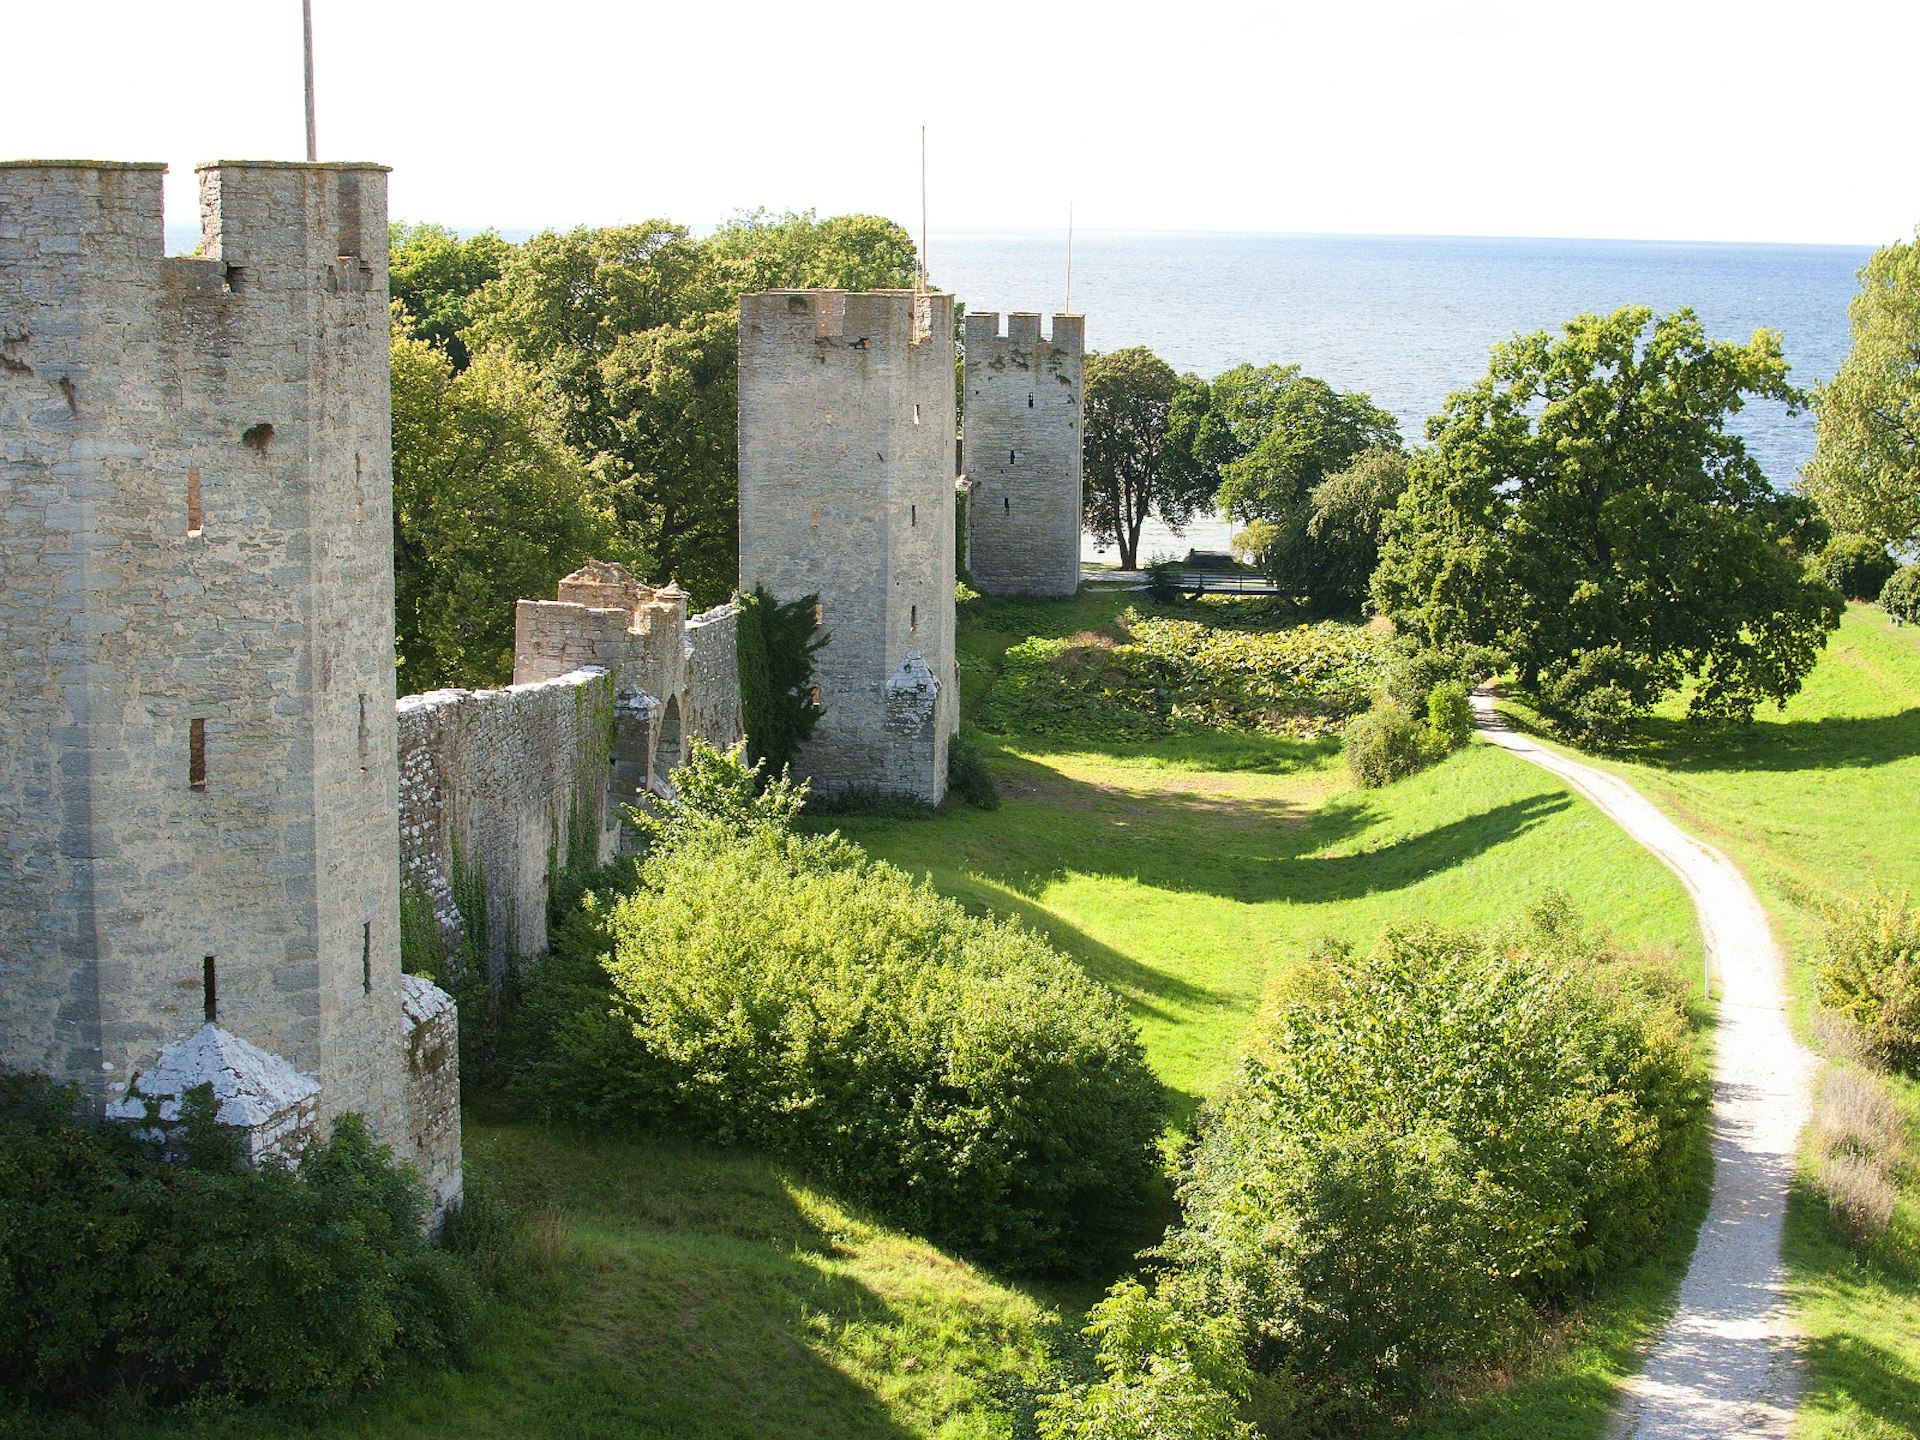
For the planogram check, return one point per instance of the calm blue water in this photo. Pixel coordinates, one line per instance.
(1406, 319)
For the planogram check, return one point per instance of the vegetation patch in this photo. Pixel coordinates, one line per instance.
(1164, 676)
(1419, 1147)
(126, 1273)
(789, 993)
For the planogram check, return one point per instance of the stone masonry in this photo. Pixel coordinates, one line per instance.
(846, 490)
(1023, 454)
(611, 679)
(197, 773)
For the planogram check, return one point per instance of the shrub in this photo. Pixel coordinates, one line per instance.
(1449, 717)
(122, 1270)
(1595, 699)
(1900, 596)
(1384, 745)
(776, 644)
(788, 993)
(1869, 971)
(1855, 566)
(1857, 1141)
(1163, 582)
(1168, 676)
(1165, 1375)
(1420, 1143)
(968, 776)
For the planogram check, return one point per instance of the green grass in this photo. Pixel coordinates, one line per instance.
(1814, 803)
(689, 1293)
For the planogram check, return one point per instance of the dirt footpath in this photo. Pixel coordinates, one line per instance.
(1726, 1364)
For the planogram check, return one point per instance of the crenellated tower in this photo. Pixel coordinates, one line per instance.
(197, 774)
(1023, 453)
(846, 489)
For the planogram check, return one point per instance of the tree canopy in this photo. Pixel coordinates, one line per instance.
(1865, 472)
(1584, 512)
(1133, 467)
(489, 506)
(434, 274)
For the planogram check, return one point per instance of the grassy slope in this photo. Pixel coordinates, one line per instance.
(687, 1293)
(1817, 802)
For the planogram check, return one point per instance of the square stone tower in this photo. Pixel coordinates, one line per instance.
(197, 773)
(846, 490)
(1023, 454)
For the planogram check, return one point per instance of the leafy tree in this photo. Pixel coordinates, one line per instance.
(1346, 514)
(489, 505)
(1865, 472)
(1278, 434)
(1856, 566)
(1133, 469)
(435, 274)
(800, 252)
(634, 328)
(777, 643)
(1584, 513)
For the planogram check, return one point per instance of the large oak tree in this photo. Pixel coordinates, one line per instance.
(1584, 511)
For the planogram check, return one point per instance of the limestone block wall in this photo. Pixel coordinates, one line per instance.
(713, 677)
(433, 1087)
(846, 489)
(1023, 454)
(197, 773)
(502, 777)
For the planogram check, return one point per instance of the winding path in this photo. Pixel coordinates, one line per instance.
(1726, 1364)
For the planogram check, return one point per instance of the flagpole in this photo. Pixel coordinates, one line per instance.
(306, 32)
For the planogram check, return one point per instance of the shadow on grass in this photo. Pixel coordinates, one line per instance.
(1829, 743)
(1247, 850)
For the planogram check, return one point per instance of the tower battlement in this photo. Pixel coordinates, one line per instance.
(846, 489)
(1023, 453)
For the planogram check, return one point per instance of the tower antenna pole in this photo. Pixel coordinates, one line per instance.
(1069, 309)
(306, 32)
(923, 207)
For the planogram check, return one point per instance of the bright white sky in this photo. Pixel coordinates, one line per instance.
(1671, 119)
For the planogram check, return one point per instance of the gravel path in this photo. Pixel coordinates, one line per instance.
(1726, 1363)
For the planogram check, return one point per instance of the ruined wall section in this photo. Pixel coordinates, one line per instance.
(503, 780)
(1023, 454)
(197, 775)
(713, 677)
(846, 489)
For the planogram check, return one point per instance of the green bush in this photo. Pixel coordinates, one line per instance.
(1595, 699)
(1168, 676)
(1855, 566)
(968, 776)
(1449, 718)
(1869, 971)
(123, 1271)
(1420, 1143)
(1384, 745)
(788, 993)
(1165, 1375)
(775, 644)
(1900, 596)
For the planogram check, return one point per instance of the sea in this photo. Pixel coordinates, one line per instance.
(1406, 320)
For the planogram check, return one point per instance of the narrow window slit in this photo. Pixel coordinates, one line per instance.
(193, 503)
(819, 615)
(916, 414)
(209, 991)
(913, 617)
(1006, 504)
(366, 957)
(363, 732)
(196, 754)
(913, 514)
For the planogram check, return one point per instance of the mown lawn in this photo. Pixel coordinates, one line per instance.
(1815, 803)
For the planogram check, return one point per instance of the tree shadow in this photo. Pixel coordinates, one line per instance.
(1828, 743)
